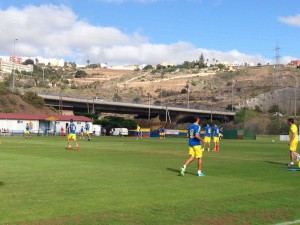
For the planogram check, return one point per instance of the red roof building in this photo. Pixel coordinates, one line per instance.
(15, 123)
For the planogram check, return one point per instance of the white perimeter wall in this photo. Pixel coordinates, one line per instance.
(41, 126)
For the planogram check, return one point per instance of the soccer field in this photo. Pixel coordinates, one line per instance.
(114, 180)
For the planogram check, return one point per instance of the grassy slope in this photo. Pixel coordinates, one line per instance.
(114, 180)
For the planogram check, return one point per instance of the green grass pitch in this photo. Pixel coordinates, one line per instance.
(115, 180)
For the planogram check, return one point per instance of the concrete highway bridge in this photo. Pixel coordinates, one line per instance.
(165, 113)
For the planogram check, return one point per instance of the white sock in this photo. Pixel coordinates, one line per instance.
(184, 166)
(199, 171)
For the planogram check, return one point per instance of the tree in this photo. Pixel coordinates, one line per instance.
(183, 91)
(157, 102)
(136, 100)
(274, 108)
(28, 62)
(93, 66)
(116, 122)
(88, 62)
(117, 97)
(257, 109)
(230, 107)
(221, 66)
(201, 63)
(33, 99)
(244, 115)
(160, 67)
(148, 67)
(3, 89)
(277, 126)
(80, 74)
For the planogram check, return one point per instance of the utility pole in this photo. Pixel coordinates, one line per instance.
(160, 96)
(231, 95)
(296, 86)
(13, 58)
(60, 103)
(149, 105)
(188, 94)
(43, 76)
(276, 73)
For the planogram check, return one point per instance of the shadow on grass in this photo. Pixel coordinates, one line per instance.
(279, 163)
(1, 183)
(177, 171)
(292, 169)
(286, 168)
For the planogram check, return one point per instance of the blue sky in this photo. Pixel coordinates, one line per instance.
(151, 31)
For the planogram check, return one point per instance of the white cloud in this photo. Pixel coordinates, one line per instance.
(152, 1)
(291, 20)
(53, 31)
(123, 1)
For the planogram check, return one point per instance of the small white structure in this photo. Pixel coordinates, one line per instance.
(97, 130)
(119, 132)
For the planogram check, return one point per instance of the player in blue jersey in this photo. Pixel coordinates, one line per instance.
(87, 131)
(72, 135)
(216, 133)
(81, 132)
(207, 136)
(27, 131)
(162, 133)
(195, 149)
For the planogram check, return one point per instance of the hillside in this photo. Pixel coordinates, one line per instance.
(207, 88)
(12, 103)
(251, 87)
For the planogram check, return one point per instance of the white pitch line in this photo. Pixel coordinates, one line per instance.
(288, 222)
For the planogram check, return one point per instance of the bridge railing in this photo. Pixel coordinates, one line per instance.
(87, 98)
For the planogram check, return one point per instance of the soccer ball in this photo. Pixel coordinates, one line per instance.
(273, 141)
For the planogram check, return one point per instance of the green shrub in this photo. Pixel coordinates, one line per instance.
(7, 110)
(3, 89)
(244, 115)
(80, 74)
(33, 99)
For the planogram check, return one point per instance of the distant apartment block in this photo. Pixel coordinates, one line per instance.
(295, 63)
(15, 59)
(50, 61)
(123, 67)
(242, 64)
(8, 67)
(46, 61)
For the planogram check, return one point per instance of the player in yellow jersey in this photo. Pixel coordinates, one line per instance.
(293, 142)
(72, 135)
(138, 132)
(27, 131)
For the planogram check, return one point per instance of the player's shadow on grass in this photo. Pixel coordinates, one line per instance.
(279, 163)
(1, 183)
(177, 171)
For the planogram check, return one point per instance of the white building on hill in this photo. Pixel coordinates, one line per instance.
(8, 67)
